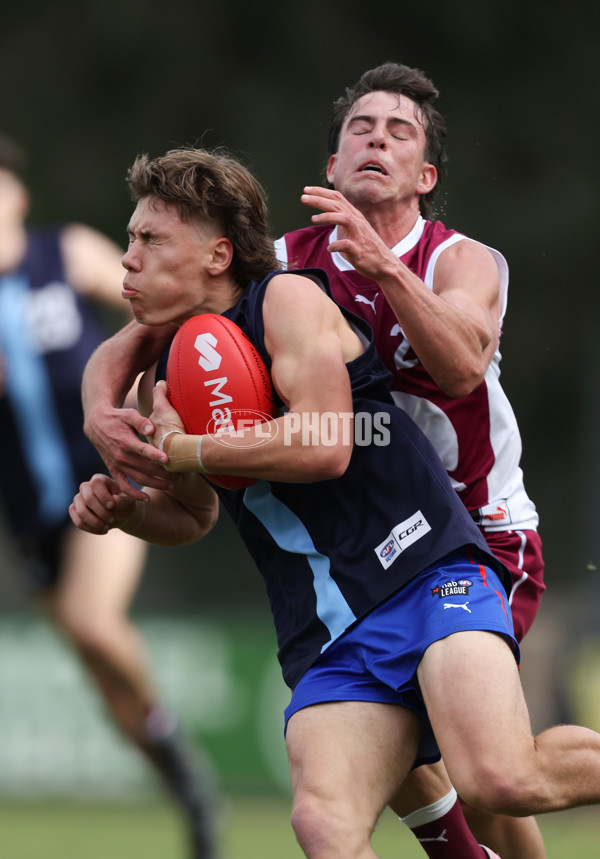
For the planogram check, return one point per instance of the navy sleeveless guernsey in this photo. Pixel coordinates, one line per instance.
(331, 551)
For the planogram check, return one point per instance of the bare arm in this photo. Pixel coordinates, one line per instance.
(172, 518)
(107, 378)
(309, 342)
(454, 328)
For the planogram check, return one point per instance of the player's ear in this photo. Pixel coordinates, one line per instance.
(221, 256)
(428, 178)
(331, 168)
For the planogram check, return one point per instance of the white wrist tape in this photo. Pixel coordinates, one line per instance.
(199, 455)
(161, 443)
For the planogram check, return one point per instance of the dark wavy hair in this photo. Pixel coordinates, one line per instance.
(402, 80)
(215, 188)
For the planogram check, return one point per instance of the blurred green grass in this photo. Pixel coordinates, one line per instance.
(253, 828)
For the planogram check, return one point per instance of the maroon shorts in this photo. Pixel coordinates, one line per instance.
(521, 552)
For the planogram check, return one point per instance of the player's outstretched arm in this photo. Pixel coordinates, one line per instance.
(115, 431)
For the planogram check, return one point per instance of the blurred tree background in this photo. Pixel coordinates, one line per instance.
(85, 85)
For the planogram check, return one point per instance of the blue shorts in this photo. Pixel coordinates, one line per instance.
(378, 657)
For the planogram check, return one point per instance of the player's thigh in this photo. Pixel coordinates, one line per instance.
(99, 574)
(357, 752)
(472, 690)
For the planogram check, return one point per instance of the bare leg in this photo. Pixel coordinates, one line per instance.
(510, 837)
(475, 702)
(346, 759)
(422, 786)
(463, 829)
(428, 804)
(90, 605)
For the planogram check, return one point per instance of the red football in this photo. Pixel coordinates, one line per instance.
(217, 382)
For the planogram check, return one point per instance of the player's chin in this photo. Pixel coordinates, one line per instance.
(145, 317)
(136, 309)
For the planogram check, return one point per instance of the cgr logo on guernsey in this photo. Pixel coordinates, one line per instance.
(401, 537)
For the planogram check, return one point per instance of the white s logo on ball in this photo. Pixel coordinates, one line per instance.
(209, 358)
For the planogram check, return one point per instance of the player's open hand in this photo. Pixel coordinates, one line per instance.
(357, 241)
(100, 505)
(116, 435)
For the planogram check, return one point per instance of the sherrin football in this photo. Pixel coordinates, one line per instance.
(217, 382)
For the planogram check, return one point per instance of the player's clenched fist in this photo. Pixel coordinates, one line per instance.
(100, 505)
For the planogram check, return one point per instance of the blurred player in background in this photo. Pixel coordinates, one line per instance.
(49, 281)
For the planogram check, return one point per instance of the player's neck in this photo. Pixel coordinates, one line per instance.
(222, 294)
(392, 223)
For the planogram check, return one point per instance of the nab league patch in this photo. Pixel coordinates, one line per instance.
(452, 589)
(400, 537)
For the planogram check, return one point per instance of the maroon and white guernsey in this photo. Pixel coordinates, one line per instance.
(476, 437)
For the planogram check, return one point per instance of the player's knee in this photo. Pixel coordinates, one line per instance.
(91, 635)
(308, 823)
(308, 818)
(321, 827)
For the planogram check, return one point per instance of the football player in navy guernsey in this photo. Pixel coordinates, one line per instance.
(391, 614)
(436, 302)
(52, 281)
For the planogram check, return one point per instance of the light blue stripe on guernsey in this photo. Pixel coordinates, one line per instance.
(28, 386)
(292, 536)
